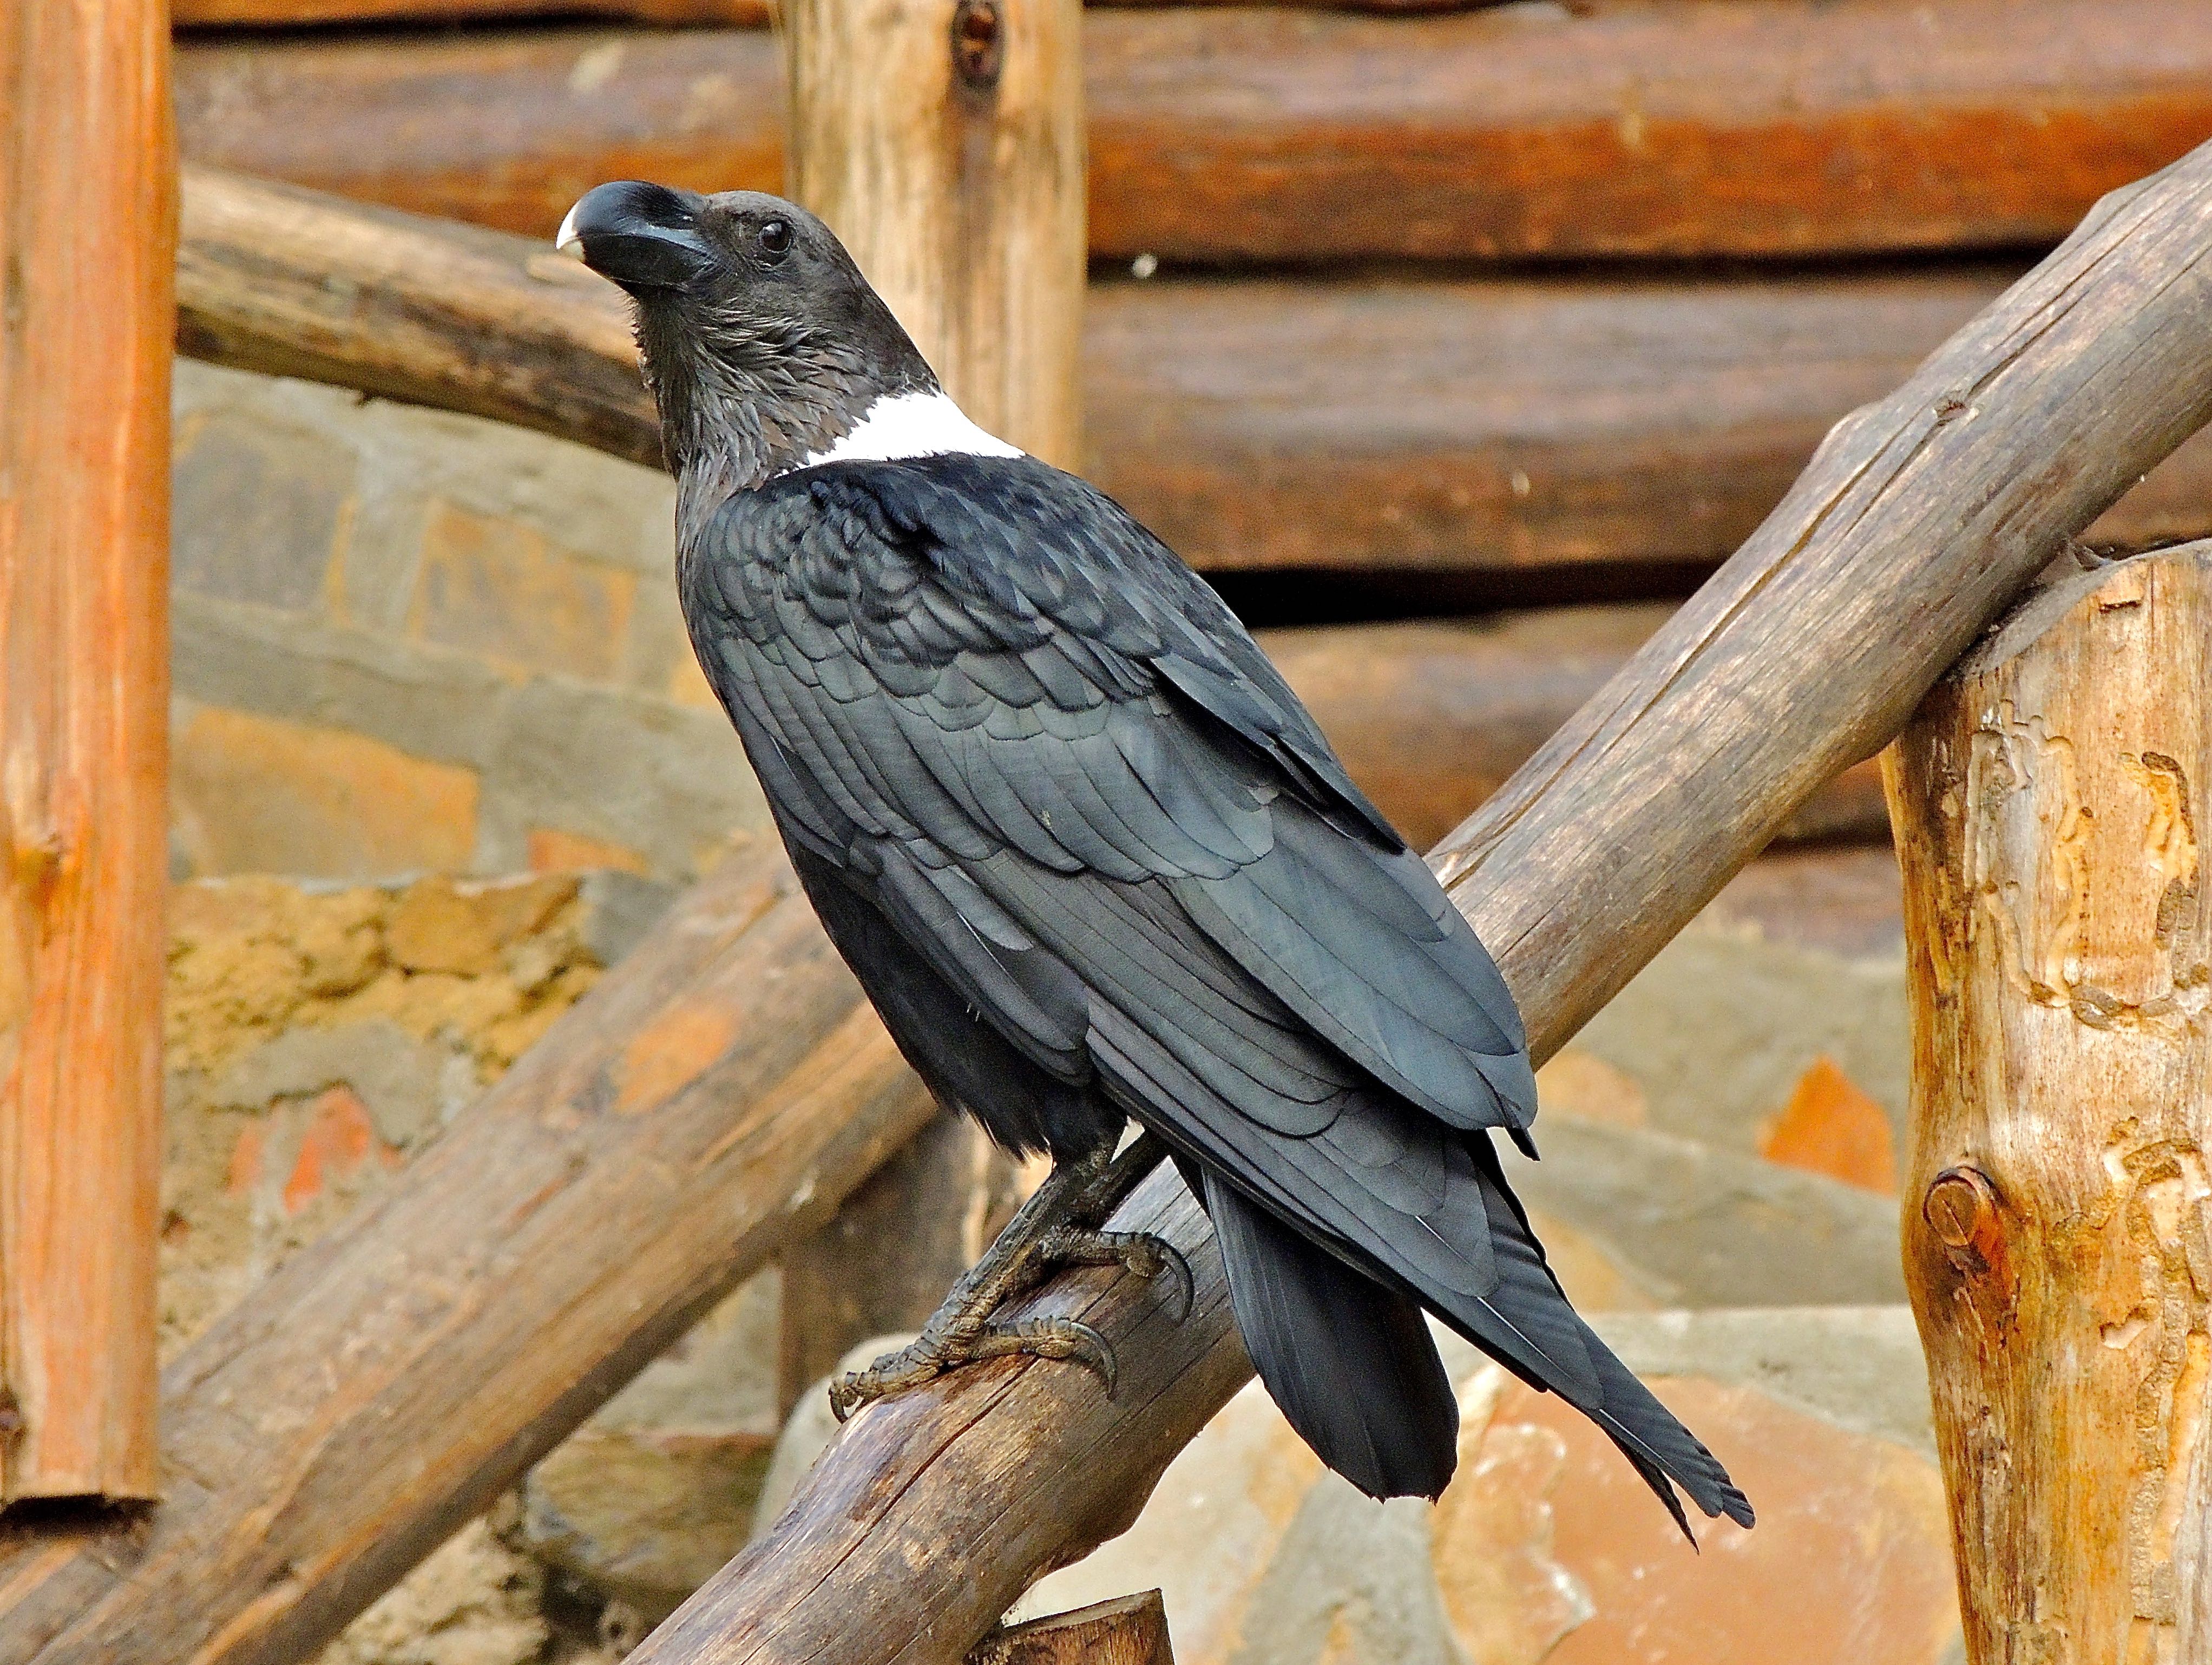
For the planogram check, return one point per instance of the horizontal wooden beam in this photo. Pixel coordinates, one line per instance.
(1920, 520)
(313, 14)
(1493, 440)
(1623, 128)
(710, 1101)
(733, 13)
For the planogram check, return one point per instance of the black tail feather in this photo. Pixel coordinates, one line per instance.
(1350, 1361)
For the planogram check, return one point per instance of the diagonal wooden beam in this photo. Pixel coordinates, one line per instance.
(1920, 520)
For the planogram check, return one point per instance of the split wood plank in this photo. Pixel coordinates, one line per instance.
(1456, 445)
(1920, 520)
(712, 1101)
(1129, 1630)
(2049, 799)
(1695, 127)
(87, 250)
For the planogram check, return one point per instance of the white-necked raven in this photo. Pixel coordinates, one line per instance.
(1092, 861)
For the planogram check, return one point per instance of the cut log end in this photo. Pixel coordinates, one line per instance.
(1129, 1630)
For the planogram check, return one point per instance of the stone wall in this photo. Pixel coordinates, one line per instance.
(410, 642)
(319, 1037)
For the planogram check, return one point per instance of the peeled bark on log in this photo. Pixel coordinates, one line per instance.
(1917, 523)
(710, 1102)
(1690, 127)
(2048, 797)
(88, 241)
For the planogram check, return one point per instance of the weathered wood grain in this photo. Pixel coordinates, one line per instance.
(943, 141)
(1487, 438)
(1130, 1630)
(711, 1102)
(1920, 520)
(1672, 127)
(88, 243)
(2049, 796)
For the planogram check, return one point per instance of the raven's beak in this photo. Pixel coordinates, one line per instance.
(642, 236)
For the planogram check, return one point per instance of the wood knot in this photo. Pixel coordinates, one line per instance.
(1961, 1204)
(11, 1416)
(978, 48)
(1962, 1208)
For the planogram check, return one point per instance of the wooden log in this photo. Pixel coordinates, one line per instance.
(2049, 796)
(1695, 127)
(292, 283)
(1494, 441)
(87, 250)
(312, 14)
(710, 1102)
(900, 1241)
(943, 141)
(1917, 522)
(1130, 1630)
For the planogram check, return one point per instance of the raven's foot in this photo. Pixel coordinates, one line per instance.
(1059, 1226)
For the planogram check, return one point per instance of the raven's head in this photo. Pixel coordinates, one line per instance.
(763, 342)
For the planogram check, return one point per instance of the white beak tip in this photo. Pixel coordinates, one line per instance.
(566, 238)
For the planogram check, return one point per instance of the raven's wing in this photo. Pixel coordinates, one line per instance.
(987, 701)
(961, 668)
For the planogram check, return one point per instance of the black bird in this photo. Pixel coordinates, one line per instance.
(1092, 861)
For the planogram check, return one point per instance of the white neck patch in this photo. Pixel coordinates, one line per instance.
(902, 425)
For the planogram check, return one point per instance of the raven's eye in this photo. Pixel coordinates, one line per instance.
(775, 239)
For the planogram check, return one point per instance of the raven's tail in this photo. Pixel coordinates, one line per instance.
(1350, 1361)
(1529, 1311)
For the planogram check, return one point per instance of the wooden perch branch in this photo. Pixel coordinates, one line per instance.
(1920, 520)
(288, 282)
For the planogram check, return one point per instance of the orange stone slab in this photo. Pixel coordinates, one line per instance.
(1850, 1564)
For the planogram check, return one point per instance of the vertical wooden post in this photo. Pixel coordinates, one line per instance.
(943, 141)
(88, 253)
(2049, 799)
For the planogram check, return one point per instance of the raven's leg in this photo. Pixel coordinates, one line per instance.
(1060, 1226)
